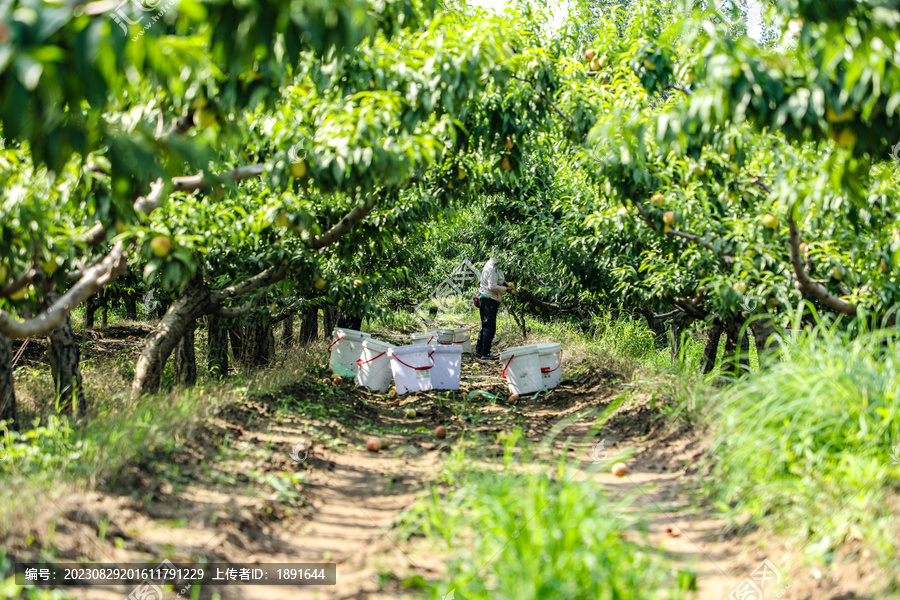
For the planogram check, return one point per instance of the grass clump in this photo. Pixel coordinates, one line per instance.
(809, 444)
(52, 455)
(511, 534)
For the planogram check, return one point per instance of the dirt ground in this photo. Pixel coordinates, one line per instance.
(287, 478)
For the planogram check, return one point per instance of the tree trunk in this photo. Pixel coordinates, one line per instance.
(711, 347)
(766, 346)
(104, 311)
(162, 307)
(744, 362)
(235, 334)
(287, 335)
(674, 339)
(309, 325)
(90, 307)
(731, 360)
(65, 367)
(130, 299)
(196, 301)
(330, 321)
(7, 383)
(218, 347)
(520, 320)
(192, 304)
(258, 340)
(657, 326)
(186, 359)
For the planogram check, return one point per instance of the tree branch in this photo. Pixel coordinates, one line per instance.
(235, 312)
(342, 227)
(689, 306)
(201, 181)
(546, 99)
(535, 300)
(95, 236)
(669, 314)
(262, 279)
(286, 312)
(807, 285)
(93, 280)
(757, 181)
(154, 199)
(680, 88)
(17, 284)
(723, 256)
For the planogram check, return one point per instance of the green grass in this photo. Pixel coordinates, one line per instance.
(805, 445)
(512, 534)
(51, 454)
(393, 321)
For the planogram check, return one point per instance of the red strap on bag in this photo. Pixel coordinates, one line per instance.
(334, 342)
(362, 362)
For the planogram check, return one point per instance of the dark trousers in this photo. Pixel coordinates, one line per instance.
(488, 309)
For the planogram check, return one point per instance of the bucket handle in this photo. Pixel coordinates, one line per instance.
(361, 362)
(335, 342)
(503, 374)
(425, 368)
(549, 370)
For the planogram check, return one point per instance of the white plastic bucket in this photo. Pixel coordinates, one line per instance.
(375, 366)
(551, 363)
(411, 366)
(463, 336)
(445, 336)
(346, 348)
(447, 366)
(522, 369)
(423, 338)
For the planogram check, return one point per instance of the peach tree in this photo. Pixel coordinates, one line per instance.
(297, 130)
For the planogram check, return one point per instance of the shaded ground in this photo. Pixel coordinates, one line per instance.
(286, 478)
(113, 340)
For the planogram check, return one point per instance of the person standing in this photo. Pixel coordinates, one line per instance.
(493, 285)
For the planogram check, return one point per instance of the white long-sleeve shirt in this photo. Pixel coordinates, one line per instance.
(492, 281)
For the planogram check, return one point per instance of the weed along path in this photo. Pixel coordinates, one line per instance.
(285, 477)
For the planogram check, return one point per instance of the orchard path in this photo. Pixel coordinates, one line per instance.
(233, 493)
